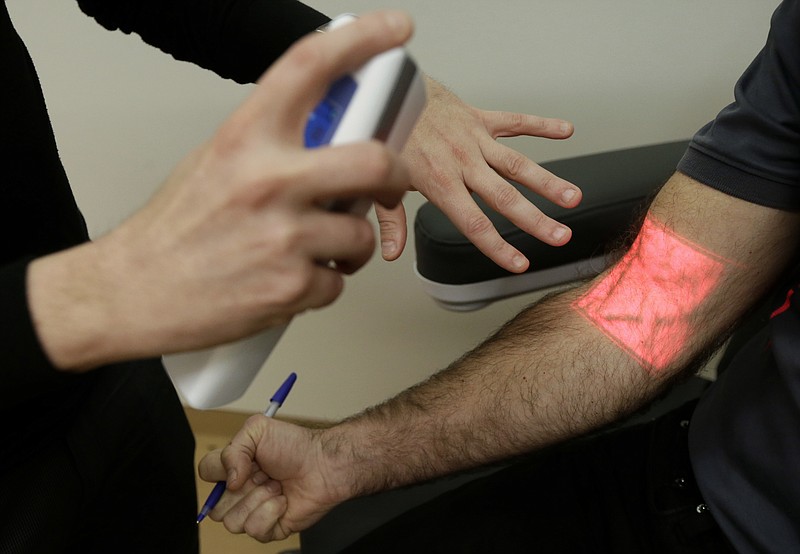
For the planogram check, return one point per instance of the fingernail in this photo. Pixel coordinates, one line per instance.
(566, 127)
(560, 233)
(274, 487)
(260, 478)
(395, 20)
(232, 475)
(518, 262)
(568, 195)
(389, 246)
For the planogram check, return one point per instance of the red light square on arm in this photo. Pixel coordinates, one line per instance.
(645, 303)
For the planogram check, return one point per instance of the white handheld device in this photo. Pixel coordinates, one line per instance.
(382, 100)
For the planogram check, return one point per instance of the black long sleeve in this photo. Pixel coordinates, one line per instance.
(38, 215)
(237, 39)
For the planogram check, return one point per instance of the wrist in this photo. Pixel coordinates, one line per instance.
(68, 298)
(351, 471)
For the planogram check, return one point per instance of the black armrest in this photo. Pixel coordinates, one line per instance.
(615, 186)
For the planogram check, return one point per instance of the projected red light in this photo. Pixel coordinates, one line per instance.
(645, 303)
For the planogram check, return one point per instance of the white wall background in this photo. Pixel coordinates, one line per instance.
(626, 72)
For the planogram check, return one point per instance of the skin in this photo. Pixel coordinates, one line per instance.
(453, 152)
(647, 303)
(548, 375)
(238, 222)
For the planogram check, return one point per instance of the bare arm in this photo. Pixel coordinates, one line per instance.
(568, 364)
(552, 373)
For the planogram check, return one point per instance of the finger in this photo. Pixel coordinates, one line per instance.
(478, 228)
(512, 165)
(263, 524)
(210, 467)
(297, 81)
(511, 124)
(323, 236)
(360, 170)
(239, 455)
(314, 239)
(306, 284)
(393, 229)
(230, 498)
(341, 243)
(505, 199)
(236, 516)
(452, 196)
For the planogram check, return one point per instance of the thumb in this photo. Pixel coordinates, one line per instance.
(394, 231)
(210, 467)
(239, 455)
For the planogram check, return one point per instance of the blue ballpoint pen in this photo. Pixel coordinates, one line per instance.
(274, 403)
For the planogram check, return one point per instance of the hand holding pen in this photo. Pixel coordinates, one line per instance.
(275, 402)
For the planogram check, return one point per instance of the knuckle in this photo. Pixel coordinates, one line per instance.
(361, 241)
(537, 219)
(517, 122)
(442, 177)
(498, 248)
(478, 224)
(296, 288)
(514, 164)
(254, 532)
(460, 155)
(505, 197)
(285, 291)
(256, 529)
(274, 181)
(255, 420)
(549, 183)
(228, 456)
(306, 56)
(389, 227)
(231, 526)
(332, 290)
(230, 137)
(275, 244)
(248, 191)
(543, 124)
(250, 185)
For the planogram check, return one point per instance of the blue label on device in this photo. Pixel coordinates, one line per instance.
(326, 116)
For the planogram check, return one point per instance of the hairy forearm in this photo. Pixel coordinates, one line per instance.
(545, 376)
(570, 363)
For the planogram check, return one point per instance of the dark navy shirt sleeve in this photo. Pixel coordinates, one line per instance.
(751, 149)
(744, 438)
(237, 39)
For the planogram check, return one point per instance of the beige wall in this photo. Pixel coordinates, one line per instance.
(627, 72)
